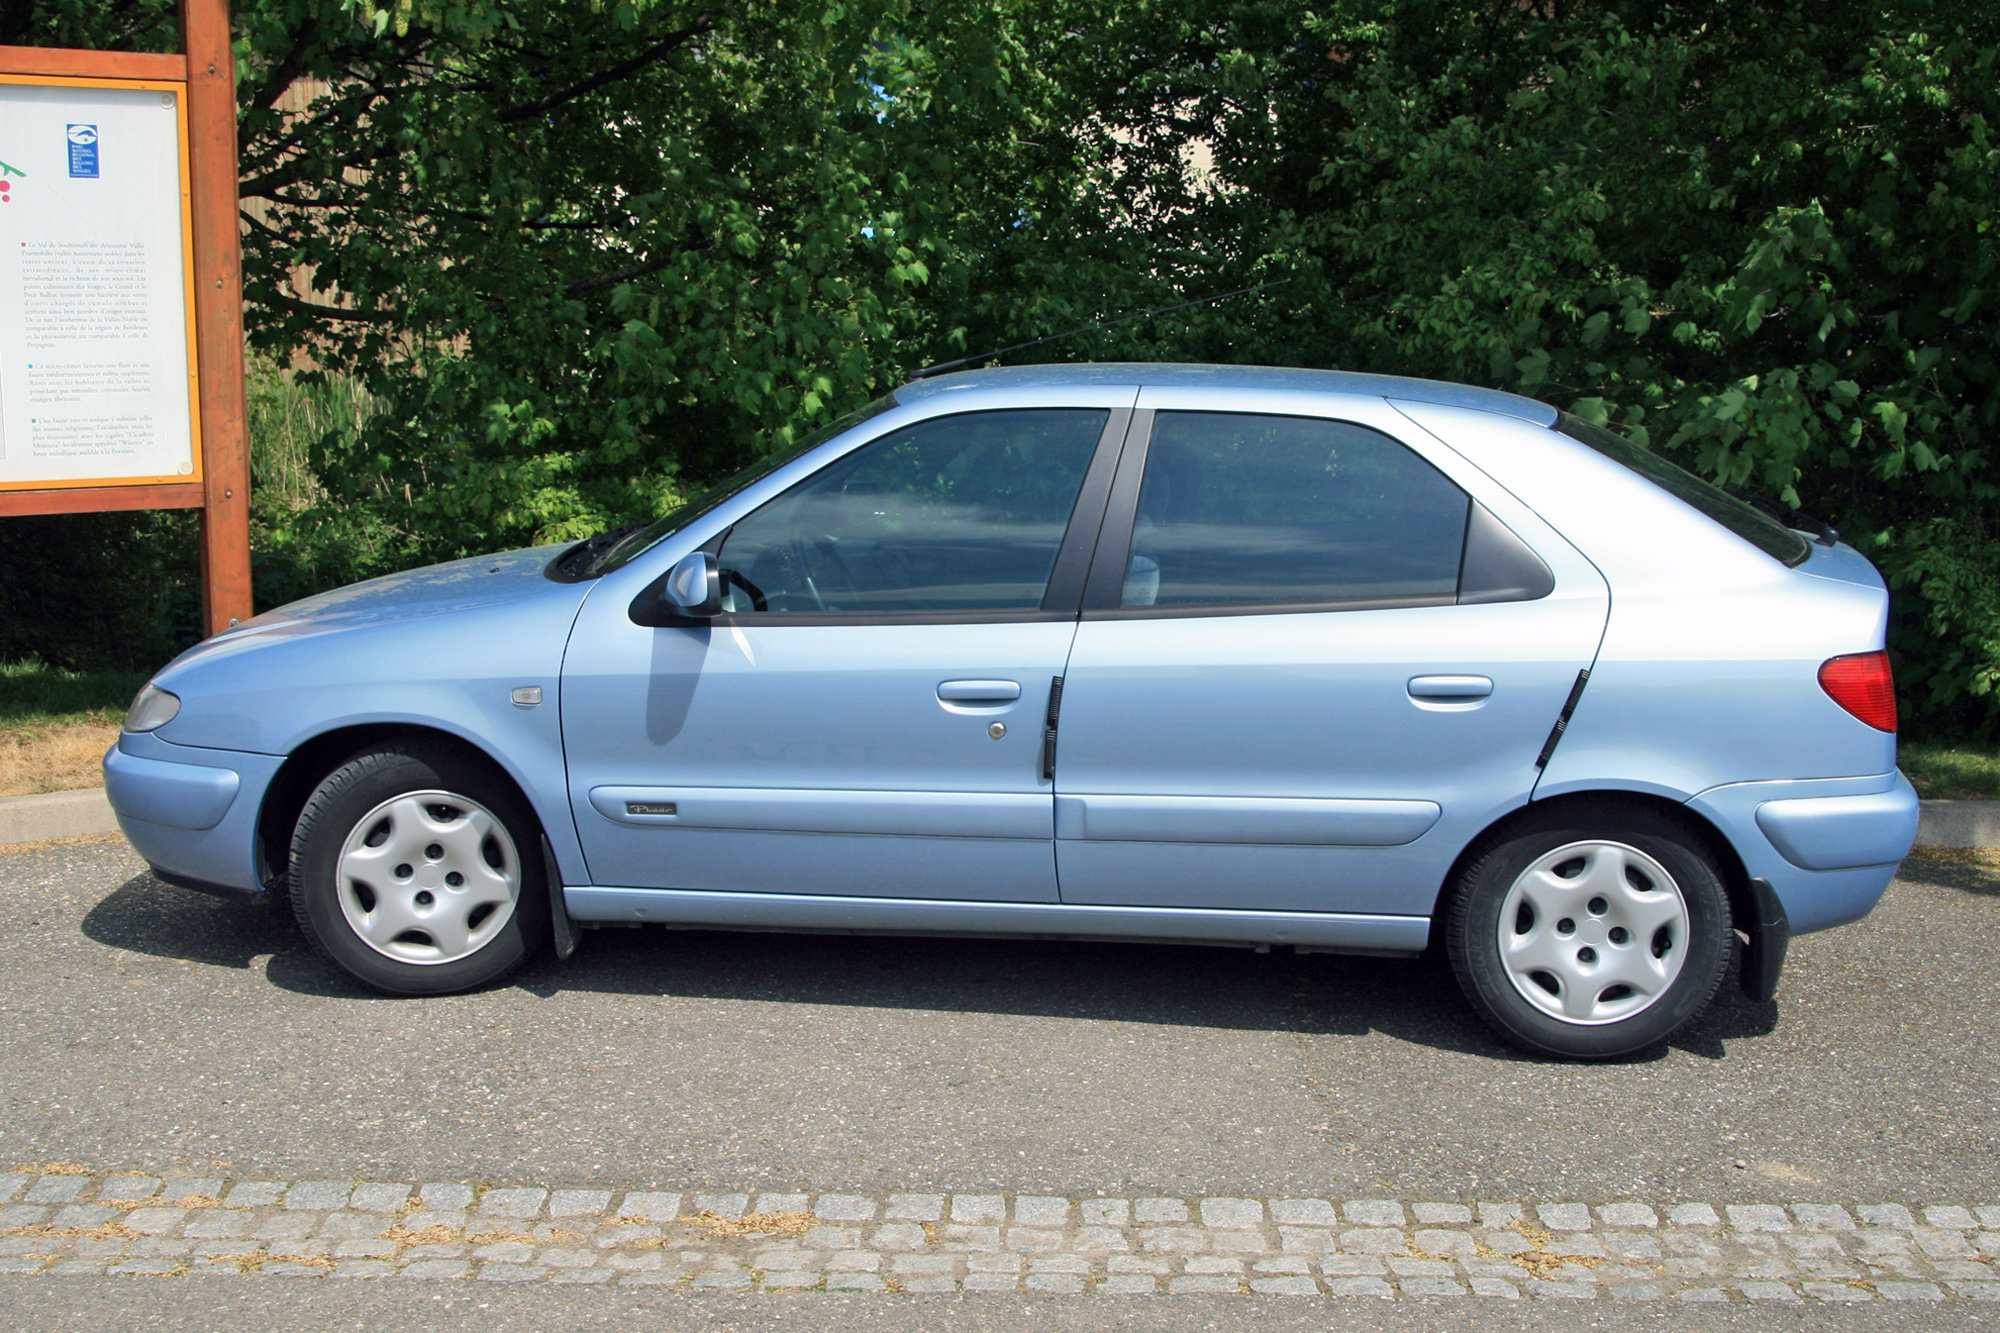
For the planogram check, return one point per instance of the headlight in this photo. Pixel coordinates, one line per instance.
(152, 709)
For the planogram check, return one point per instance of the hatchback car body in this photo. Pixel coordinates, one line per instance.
(1195, 653)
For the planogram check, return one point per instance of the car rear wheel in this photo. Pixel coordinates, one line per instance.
(1592, 932)
(416, 868)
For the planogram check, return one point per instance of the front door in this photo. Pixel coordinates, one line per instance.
(1286, 695)
(865, 717)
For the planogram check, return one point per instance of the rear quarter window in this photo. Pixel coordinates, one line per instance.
(1762, 531)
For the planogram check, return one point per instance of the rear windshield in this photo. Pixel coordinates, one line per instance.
(1762, 531)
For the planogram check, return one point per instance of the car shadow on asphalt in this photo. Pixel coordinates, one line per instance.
(1414, 1000)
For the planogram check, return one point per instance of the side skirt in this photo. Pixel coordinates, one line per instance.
(1318, 931)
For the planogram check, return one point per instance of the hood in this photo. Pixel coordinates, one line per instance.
(460, 585)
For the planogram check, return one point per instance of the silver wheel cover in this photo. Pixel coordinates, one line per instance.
(428, 877)
(1593, 932)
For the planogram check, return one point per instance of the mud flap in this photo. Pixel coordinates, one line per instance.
(1770, 936)
(565, 929)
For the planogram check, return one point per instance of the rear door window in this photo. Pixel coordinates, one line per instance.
(1236, 508)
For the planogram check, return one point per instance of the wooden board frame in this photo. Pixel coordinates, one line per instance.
(205, 76)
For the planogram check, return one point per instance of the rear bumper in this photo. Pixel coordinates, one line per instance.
(1828, 847)
(192, 813)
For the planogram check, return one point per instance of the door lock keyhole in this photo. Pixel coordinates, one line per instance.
(997, 730)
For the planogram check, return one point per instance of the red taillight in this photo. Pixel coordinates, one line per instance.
(1860, 683)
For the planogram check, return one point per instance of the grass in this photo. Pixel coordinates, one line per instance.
(1952, 772)
(55, 725)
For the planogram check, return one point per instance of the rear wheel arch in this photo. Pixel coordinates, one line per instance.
(1735, 878)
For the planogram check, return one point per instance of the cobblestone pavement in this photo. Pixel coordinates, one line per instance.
(66, 1221)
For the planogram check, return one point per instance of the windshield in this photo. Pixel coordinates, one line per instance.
(611, 550)
(1762, 531)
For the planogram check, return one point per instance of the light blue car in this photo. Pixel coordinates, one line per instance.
(1209, 654)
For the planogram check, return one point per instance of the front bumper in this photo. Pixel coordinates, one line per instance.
(1828, 847)
(191, 812)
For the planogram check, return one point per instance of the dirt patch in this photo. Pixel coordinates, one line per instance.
(756, 1224)
(35, 760)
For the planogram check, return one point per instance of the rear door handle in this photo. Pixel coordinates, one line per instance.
(1450, 687)
(979, 691)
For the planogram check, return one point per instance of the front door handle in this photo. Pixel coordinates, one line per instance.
(1448, 688)
(979, 691)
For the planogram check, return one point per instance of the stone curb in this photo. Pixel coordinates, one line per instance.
(59, 814)
(67, 1222)
(83, 814)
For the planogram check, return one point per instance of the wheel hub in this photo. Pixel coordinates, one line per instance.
(428, 877)
(1593, 932)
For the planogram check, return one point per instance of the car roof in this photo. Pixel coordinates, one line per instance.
(1188, 375)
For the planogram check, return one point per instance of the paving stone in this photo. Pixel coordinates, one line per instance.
(1059, 1263)
(833, 1238)
(129, 1187)
(1201, 1284)
(1497, 1215)
(446, 1198)
(1040, 1210)
(845, 1208)
(1767, 1291)
(1210, 1263)
(424, 1219)
(1359, 1286)
(254, 1194)
(376, 1196)
(365, 1249)
(791, 1279)
(1493, 1286)
(993, 1263)
(1105, 1212)
(1239, 1242)
(655, 1206)
(1174, 1240)
(915, 1208)
(925, 1263)
(435, 1270)
(55, 1189)
(1693, 1215)
(1373, 1212)
(10, 1185)
(22, 1215)
(581, 1275)
(318, 1195)
(991, 1282)
(1372, 1240)
(771, 1203)
(1101, 1238)
(1822, 1217)
(1564, 1216)
(957, 1237)
(1128, 1284)
(1988, 1216)
(1978, 1291)
(931, 1284)
(853, 1261)
(1836, 1292)
(1628, 1215)
(1949, 1217)
(155, 1221)
(1887, 1215)
(1436, 1214)
(1305, 1240)
(1304, 1212)
(1033, 1239)
(899, 1236)
(84, 1215)
(518, 1203)
(1160, 1210)
(1636, 1291)
(1758, 1217)
(1909, 1291)
(515, 1273)
(1430, 1286)
(978, 1208)
(1437, 1241)
(855, 1282)
(1356, 1265)
(1701, 1294)
(1544, 1289)
(1232, 1214)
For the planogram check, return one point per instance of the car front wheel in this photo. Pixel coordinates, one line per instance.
(416, 868)
(1592, 932)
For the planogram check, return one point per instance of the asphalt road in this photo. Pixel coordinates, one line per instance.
(147, 1027)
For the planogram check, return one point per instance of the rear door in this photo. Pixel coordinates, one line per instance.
(1318, 652)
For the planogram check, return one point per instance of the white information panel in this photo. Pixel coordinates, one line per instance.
(96, 326)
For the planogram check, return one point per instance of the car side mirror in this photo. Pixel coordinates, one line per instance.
(694, 587)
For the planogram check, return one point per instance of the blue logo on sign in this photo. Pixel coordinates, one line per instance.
(83, 150)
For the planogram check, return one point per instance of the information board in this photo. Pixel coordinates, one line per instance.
(97, 371)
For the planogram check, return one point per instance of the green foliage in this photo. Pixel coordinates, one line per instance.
(1952, 772)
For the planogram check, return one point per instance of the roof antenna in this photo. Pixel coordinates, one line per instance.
(940, 367)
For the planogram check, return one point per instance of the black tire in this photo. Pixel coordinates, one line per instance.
(358, 791)
(1702, 933)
